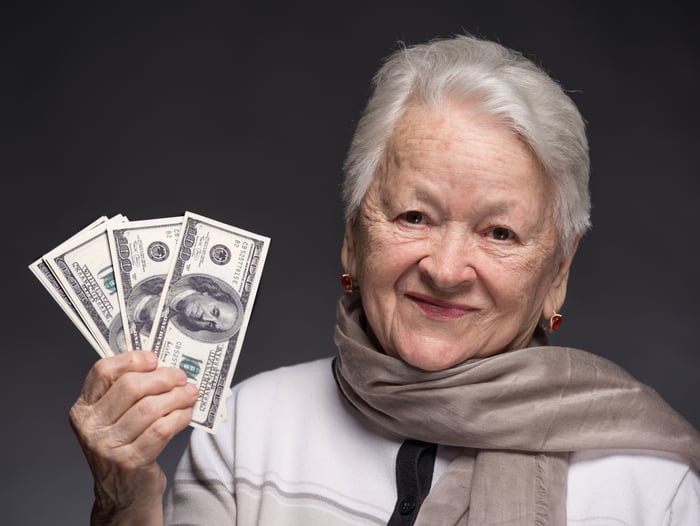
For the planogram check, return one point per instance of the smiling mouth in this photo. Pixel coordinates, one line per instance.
(440, 309)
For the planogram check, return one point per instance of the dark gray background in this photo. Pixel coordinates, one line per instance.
(243, 114)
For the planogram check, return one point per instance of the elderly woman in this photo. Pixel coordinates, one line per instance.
(466, 195)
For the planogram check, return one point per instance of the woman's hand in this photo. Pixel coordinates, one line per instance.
(128, 411)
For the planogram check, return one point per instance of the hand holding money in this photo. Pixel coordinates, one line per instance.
(183, 286)
(128, 411)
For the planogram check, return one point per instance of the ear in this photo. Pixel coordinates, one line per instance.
(556, 295)
(348, 254)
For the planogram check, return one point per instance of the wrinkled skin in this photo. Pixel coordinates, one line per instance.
(128, 411)
(455, 249)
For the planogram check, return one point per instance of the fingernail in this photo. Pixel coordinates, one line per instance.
(192, 389)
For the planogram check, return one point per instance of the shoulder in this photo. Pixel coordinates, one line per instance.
(632, 487)
(264, 407)
(287, 439)
(277, 415)
(290, 373)
(285, 397)
(297, 380)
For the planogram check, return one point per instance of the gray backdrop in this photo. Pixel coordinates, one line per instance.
(243, 114)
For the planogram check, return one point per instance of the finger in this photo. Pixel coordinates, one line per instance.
(130, 388)
(148, 410)
(153, 440)
(107, 370)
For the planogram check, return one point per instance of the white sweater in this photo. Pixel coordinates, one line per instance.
(290, 453)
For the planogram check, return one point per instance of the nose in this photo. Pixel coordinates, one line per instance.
(449, 263)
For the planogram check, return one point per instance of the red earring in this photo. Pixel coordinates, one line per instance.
(554, 321)
(349, 284)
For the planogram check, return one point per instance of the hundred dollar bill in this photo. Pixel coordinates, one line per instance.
(204, 312)
(47, 278)
(83, 267)
(142, 252)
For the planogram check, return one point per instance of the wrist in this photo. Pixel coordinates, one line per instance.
(112, 516)
(107, 510)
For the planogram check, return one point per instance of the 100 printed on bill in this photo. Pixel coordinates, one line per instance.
(183, 287)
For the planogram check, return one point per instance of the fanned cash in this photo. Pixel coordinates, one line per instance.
(204, 310)
(184, 286)
(47, 278)
(142, 252)
(83, 267)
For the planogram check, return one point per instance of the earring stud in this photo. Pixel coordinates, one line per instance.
(349, 284)
(554, 321)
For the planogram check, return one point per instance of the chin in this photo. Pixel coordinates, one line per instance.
(432, 361)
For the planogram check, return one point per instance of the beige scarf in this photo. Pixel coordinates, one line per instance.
(517, 414)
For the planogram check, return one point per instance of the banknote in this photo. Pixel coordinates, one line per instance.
(83, 268)
(47, 278)
(204, 310)
(142, 252)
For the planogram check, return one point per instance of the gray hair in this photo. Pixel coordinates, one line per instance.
(504, 84)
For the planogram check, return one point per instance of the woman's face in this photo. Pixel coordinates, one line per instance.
(205, 312)
(455, 249)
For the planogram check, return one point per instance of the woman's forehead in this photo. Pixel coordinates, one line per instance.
(458, 146)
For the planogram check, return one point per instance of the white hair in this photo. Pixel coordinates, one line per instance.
(503, 84)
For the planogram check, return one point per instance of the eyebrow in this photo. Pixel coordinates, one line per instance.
(495, 208)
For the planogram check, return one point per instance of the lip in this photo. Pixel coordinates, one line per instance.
(437, 308)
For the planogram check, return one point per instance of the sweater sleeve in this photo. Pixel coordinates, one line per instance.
(202, 490)
(684, 509)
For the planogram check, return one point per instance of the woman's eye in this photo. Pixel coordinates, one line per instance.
(502, 234)
(413, 217)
